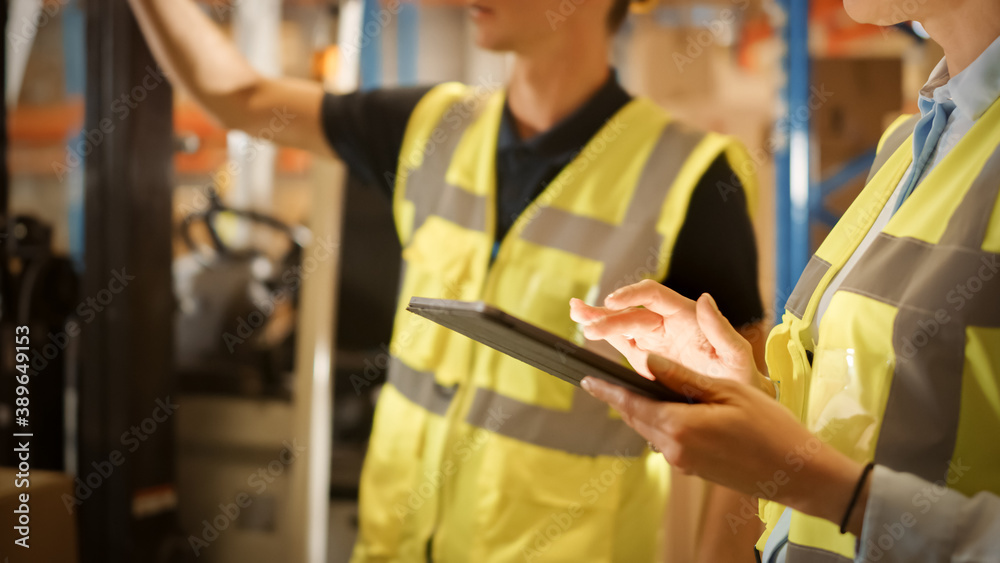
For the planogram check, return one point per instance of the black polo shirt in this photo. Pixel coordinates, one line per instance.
(715, 251)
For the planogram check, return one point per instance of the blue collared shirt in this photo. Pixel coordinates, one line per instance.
(973, 90)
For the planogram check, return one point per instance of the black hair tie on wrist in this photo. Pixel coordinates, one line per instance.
(854, 497)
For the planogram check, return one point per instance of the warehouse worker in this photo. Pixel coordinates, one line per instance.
(888, 356)
(560, 185)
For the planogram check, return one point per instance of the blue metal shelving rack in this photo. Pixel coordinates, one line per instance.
(794, 200)
(373, 25)
(799, 195)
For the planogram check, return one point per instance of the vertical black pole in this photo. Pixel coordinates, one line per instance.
(126, 380)
(5, 305)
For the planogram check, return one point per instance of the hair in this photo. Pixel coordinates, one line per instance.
(616, 17)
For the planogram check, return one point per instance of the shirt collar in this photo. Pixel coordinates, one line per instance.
(574, 130)
(973, 90)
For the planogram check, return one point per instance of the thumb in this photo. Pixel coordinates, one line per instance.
(729, 344)
(695, 387)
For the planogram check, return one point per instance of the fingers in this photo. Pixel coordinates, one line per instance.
(636, 356)
(582, 313)
(693, 385)
(633, 322)
(651, 295)
(734, 350)
(644, 415)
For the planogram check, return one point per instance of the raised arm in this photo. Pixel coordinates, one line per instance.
(200, 59)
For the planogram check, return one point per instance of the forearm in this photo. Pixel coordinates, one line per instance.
(197, 56)
(730, 528)
(823, 487)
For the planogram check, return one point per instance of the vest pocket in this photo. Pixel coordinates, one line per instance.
(847, 394)
(546, 505)
(439, 263)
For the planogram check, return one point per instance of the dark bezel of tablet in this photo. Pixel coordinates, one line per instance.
(557, 356)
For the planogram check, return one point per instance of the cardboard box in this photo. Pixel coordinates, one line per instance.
(859, 96)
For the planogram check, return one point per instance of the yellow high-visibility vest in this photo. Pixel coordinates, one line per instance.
(906, 371)
(475, 456)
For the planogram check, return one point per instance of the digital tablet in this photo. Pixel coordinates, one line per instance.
(535, 346)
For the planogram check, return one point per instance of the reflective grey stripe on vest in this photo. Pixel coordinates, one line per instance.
(627, 250)
(584, 430)
(427, 189)
(806, 286)
(577, 234)
(892, 144)
(920, 423)
(420, 388)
